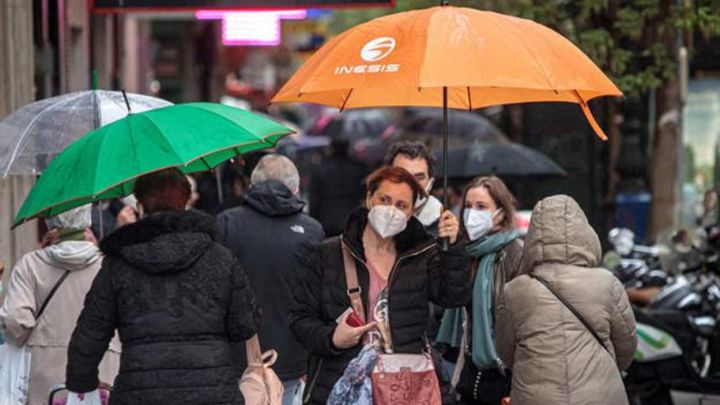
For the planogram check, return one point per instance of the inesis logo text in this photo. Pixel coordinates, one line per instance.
(373, 51)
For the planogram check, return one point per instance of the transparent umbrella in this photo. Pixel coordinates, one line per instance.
(33, 135)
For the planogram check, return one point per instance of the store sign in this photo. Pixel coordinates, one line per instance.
(251, 28)
(174, 5)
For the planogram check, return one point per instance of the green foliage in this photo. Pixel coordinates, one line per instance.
(633, 41)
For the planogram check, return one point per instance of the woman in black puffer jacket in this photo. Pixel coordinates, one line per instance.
(391, 249)
(178, 300)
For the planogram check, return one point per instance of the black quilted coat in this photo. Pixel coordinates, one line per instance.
(421, 274)
(177, 299)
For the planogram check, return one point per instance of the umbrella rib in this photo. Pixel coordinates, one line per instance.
(207, 165)
(32, 122)
(512, 28)
(217, 115)
(346, 100)
(469, 99)
(168, 144)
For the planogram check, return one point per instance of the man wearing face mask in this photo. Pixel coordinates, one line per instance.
(394, 256)
(416, 158)
(488, 222)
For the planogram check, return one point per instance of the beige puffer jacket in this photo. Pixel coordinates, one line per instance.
(554, 359)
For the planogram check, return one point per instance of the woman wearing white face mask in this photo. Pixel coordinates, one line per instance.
(394, 255)
(489, 224)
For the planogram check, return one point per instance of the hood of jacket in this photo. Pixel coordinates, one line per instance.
(166, 242)
(71, 255)
(273, 198)
(560, 233)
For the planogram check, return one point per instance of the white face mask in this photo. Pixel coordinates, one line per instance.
(422, 200)
(478, 223)
(387, 220)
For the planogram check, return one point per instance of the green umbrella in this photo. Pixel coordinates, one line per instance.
(105, 163)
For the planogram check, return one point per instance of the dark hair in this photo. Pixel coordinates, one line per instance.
(396, 175)
(413, 150)
(165, 190)
(502, 197)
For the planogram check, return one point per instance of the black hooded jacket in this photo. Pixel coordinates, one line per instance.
(177, 299)
(270, 236)
(421, 274)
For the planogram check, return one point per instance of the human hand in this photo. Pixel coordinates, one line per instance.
(346, 336)
(126, 216)
(448, 227)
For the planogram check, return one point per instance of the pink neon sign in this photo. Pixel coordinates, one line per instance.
(251, 28)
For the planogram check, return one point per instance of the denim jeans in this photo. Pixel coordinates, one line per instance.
(293, 392)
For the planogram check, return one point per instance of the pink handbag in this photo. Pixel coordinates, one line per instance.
(259, 383)
(397, 379)
(405, 379)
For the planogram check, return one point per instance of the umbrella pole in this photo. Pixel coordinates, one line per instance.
(445, 242)
(101, 227)
(218, 183)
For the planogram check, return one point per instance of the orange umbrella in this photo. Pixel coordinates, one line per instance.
(482, 58)
(448, 57)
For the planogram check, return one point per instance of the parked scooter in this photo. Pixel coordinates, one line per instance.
(676, 312)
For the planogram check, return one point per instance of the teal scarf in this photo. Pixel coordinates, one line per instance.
(482, 334)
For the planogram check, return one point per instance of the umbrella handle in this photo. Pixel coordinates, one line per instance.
(445, 242)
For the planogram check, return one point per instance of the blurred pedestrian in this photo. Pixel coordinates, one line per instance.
(709, 210)
(44, 299)
(194, 195)
(2, 281)
(177, 298)
(396, 258)
(416, 158)
(269, 234)
(489, 225)
(110, 215)
(336, 188)
(565, 328)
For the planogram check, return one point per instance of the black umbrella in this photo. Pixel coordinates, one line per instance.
(352, 125)
(464, 127)
(508, 160)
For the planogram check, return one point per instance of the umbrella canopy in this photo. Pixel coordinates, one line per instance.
(479, 58)
(33, 135)
(511, 159)
(464, 128)
(448, 57)
(104, 163)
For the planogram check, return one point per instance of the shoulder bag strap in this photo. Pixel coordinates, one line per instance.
(51, 294)
(353, 287)
(572, 309)
(253, 352)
